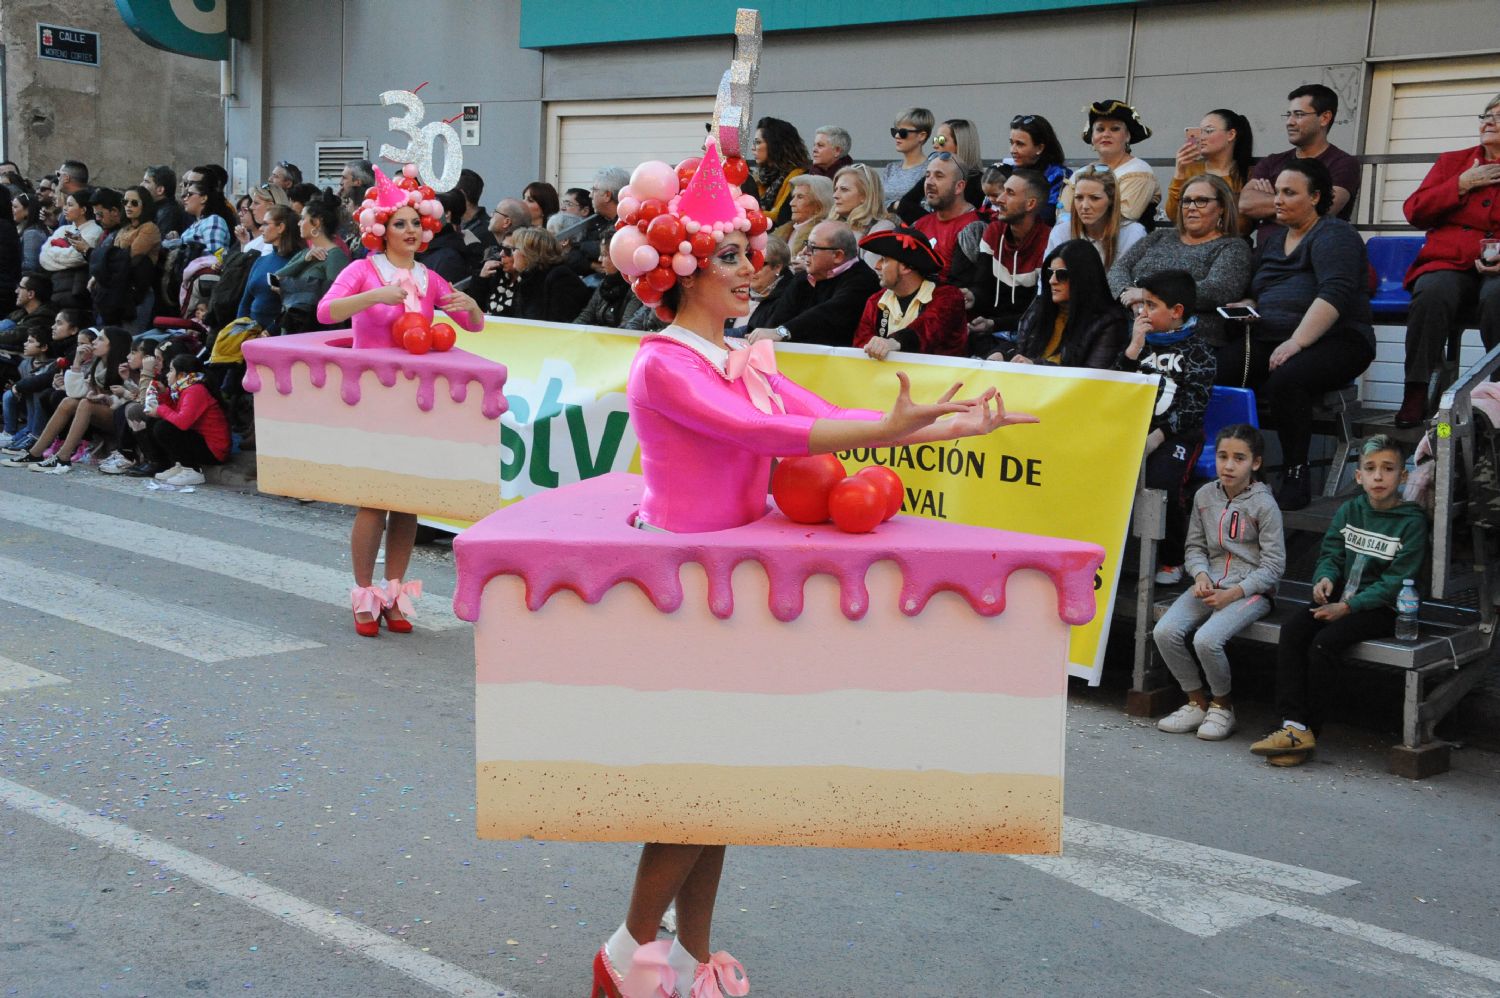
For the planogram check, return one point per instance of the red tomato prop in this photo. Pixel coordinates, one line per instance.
(443, 336)
(736, 170)
(890, 485)
(409, 320)
(857, 505)
(801, 486)
(417, 339)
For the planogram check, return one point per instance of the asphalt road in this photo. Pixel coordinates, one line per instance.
(210, 785)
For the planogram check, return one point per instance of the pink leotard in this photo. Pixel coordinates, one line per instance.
(372, 326)
(705, 448)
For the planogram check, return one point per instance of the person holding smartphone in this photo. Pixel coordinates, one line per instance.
(1218, 146)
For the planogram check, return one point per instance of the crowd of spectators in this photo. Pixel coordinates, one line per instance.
(1030, 262)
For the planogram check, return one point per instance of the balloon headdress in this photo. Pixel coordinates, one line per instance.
(671, 219)
(387, 197)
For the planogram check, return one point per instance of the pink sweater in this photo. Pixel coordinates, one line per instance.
(705, 449)
(372, 327)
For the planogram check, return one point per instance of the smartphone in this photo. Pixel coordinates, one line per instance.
(1238, 312)
(275, 280)
(1194, 135)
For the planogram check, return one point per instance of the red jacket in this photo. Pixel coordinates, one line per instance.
(1455, 223)
(200, 412)
(941, 327)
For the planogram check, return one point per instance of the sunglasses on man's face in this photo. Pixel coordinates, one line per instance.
(507, 251)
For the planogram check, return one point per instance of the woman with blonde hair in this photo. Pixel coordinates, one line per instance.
(1096, 216)
(959, 137)
(546, 287)
(859, 202)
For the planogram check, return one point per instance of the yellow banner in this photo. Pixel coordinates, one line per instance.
(1073, 475)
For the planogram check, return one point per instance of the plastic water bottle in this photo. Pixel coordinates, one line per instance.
(1407, 604)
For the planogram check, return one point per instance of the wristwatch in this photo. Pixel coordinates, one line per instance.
(784, 333)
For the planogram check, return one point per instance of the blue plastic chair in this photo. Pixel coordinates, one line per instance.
(1391, 256)
(1226, 406)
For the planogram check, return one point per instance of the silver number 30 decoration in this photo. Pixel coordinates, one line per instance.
(733, 122)
(419, 149)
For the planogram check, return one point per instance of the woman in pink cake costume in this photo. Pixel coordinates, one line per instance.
(711, 413)
(397, 222)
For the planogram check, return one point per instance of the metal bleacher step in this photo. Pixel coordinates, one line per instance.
(1369, 421)
(1317, 515)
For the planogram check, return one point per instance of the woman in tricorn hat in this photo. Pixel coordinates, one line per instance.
(1115, 126)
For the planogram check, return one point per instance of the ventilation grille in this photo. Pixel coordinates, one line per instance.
(334, 155)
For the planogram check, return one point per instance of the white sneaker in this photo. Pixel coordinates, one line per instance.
(1182, 720)
(60, 468)
(1218, 724)
(5, 438)
(187, 476)
(162, 476)
(45, 464)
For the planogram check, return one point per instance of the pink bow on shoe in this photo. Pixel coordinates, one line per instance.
(367, 599)
(651, 976)
(753, 365)
(400, 594)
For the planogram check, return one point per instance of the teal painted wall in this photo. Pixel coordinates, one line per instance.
(548, 23)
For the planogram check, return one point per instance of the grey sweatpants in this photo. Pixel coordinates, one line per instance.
(1209, 630)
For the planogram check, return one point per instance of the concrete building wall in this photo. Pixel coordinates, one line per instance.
(139, 107)
(325, 67)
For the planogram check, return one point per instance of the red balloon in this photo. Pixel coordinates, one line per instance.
(890, 484)
(758, 221)
(687, 168)
(408, 320)
(416, 340)
(661, 279)
(369, 194)
(857, 505)
(443, 336)
(650, 208)
(702, 242)
(665, 314)
(736, 170)
(757, 259)
(664, 233)
(645, 292)
(373, 243)
(801, 486)
(426, 192)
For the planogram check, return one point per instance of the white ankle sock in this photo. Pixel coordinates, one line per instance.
(1294, 724)
(621, 949)
(686, 965)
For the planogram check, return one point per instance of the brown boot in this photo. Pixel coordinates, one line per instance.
(1413, 411)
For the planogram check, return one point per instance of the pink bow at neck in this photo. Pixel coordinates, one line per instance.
(408, 283)
(400, 594)
(651, 975)
(753, 365)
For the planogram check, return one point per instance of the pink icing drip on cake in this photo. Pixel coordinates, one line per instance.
(580, 538)
(318, 350)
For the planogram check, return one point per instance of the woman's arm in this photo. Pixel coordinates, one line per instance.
(350, 295)
(191, 405)
(1441, 191)
(1137, 191)
(1122, 274)
(147, 240)
(1228, 273)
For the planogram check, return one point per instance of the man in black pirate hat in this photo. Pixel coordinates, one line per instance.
(912, 311)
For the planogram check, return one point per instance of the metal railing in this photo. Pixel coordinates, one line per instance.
(1455, 444)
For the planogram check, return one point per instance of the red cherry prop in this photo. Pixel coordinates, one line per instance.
(416, 339)
(662, 279)
(736, 170)
(665, 233)
(409, 321)
(857, 505)
(801, 486)
(443, 336)
(702, 242)
(687, 168)
(890, 485)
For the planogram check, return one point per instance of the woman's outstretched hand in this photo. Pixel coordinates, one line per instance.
(971, 417)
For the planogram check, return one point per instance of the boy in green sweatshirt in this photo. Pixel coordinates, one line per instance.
(1375, 542)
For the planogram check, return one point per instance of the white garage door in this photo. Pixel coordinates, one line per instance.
(1424, 108)
(584, 138)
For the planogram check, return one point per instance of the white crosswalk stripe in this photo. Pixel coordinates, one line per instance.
(182, 630)
(244, 565)
(15, 676)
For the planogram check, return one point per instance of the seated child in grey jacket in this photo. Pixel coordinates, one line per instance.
(1235, 553)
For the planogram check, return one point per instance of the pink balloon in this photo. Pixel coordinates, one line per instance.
(748, 202)
(683, 264)
(377, 230)
(627, 207)
(654, 179)
(759, 242)
(626, 192)
(622, 250)
(645, 258)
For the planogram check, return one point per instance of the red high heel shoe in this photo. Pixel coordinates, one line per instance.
(606, 978)
(370, 600)
(398, 596)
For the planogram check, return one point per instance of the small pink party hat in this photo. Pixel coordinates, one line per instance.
(708, 198)
(387, 194)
